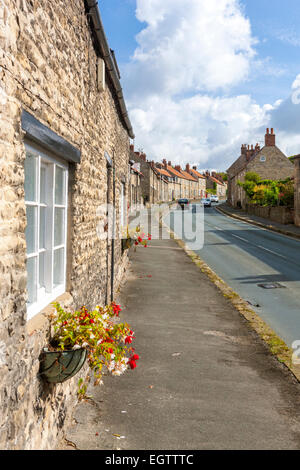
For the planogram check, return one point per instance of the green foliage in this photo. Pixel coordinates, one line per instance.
(268, 192)
(223, 175)
(211, 191)
(252, 176)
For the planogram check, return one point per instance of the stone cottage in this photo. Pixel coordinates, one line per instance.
(201, 192)
(64, 143)
(268, 162)
(150, 179)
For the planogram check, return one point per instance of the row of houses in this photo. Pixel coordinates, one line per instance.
(163, 182)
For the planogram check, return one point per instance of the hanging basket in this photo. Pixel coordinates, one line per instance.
(58, 366)
(127, 243)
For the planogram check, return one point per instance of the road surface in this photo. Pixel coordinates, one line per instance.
(245, 256)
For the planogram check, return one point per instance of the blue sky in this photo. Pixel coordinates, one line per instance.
(201, 79)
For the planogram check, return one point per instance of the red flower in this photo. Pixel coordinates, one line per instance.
(140, 239)
(110, 350)
(128, 339)
(65, 323)
(136, 243)
(135, 357)
(116, 309)
(92, 321)
(108, 340)
(132, 364)
(149, 236)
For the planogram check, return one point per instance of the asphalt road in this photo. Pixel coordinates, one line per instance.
(245, 256)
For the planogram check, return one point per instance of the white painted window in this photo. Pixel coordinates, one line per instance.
(46, 181)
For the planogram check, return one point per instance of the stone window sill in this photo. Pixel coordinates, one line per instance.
(41, 321)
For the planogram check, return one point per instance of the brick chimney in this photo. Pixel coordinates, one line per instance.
(187, 168)
(170, 163)
(132, 147)
(270, 138)
(165, 163)
(243, 149)
(143, 156)
(194, 168)
(178, 167)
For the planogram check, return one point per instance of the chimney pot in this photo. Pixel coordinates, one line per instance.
(270, 138)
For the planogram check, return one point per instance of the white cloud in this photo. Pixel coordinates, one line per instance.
(200, 129)
(289, 36)
(189, 56)
(190, 45)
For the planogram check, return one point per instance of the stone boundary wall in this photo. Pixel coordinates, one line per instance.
(280, 214)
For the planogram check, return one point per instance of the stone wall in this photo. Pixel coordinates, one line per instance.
(48, 67)
(280, 214)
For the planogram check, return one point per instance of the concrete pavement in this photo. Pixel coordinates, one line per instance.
(204, 379)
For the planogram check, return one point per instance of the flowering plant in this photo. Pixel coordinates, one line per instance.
(107, 341)
(137, 236)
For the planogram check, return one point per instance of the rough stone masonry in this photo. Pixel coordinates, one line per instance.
(48, 68)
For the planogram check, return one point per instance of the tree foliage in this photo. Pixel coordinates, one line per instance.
(268, 192)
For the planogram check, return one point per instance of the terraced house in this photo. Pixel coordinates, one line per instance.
(64, 142)
(201, 191)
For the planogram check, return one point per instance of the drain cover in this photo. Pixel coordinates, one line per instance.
(271, 285)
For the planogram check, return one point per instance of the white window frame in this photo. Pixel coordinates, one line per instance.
(45, 295)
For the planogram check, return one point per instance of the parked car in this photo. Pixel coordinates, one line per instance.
(183, 203)
(214, 198)
(206, 202)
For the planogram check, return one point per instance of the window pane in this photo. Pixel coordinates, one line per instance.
(30, 177)
(43, 185)
(31, 280)
(42, 241)
(59, 226)
(42, 270)
(59, 185)
(58, 267)
(30, 231)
